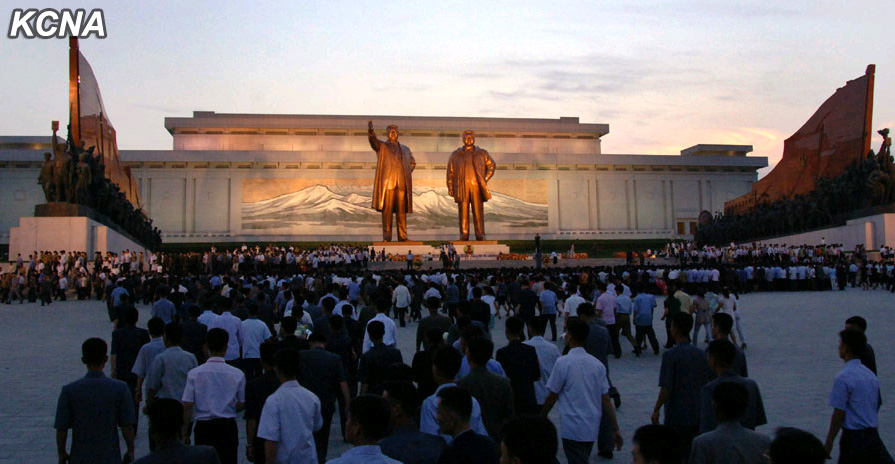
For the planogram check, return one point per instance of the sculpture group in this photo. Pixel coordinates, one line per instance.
(468, 171)
(77, 176)
(863, 186)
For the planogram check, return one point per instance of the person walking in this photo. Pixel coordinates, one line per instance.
(290, 416)
(643, 306)
(579, 383)
(213, 395)
(683, 373)
(730, 442)
(94, 408)
(855, 403)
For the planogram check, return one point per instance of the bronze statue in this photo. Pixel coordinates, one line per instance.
(392, 188)
(468, 172)
(84, 179)
(62, 172)
(46, 178)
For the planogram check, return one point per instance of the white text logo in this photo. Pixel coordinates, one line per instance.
(56, 24)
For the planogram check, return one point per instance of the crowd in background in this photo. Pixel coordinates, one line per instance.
(327, 330)
(741, 268)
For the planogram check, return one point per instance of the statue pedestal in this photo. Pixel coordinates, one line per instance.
(57, 209)
(72, 233)
(483, 249)
(401, 248)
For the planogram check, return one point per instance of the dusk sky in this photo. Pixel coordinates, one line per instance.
(664, 75)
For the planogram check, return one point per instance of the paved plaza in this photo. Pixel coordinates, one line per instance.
(792, 354)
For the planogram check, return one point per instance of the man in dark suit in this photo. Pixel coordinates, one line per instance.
(468, 447)
(126, 344)
(165, 423)
(682, 375)
(520, 362)
(194, 334)
(493, 392)
(433, 321)
(94, 407)
(868, 357)
(392, 188)
(423, 361)
(720, 354)
(288, 339)
(722, 324)
(479, 310)
(257, 391)
(321, 324)
(528, 301)
(322, 373)
(119, 312)
(529, 440)
(730, 441)
(375, 363)
(406, 443)
(339, 343)
(468, 171)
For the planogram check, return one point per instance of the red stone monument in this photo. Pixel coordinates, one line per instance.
(835, 136)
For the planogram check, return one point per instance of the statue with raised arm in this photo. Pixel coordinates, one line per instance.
(468, 171)
(392, 187)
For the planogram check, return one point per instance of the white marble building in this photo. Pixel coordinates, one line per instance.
(241, 177)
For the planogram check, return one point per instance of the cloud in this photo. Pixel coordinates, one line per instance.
(594, 75)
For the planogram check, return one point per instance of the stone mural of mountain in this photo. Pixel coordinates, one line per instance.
(319, 205)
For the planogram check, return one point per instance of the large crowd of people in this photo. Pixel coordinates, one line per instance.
(289, 341)
(741, 268)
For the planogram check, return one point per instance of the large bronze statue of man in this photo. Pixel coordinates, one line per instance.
(468, 172)
(392, 188)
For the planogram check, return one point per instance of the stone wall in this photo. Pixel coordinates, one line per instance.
(871, 231)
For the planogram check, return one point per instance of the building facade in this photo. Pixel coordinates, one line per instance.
(241, 177)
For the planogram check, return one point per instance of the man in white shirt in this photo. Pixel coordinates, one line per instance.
(401, 301)
(214, 393)
(254, 332)
(580, 384)
(147, 354)
(391, 331)
(548, 353)
(606, 305)
(167, 375)
(570, 308)
(63, 286)
(233, 326)
(290, 416)
(207, 315)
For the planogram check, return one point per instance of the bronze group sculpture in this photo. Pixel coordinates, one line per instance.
(393, 186)
(83, 182)
(861, 189)
(468, 171)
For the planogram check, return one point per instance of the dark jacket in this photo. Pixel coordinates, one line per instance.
(495, 396)
(520, 362)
